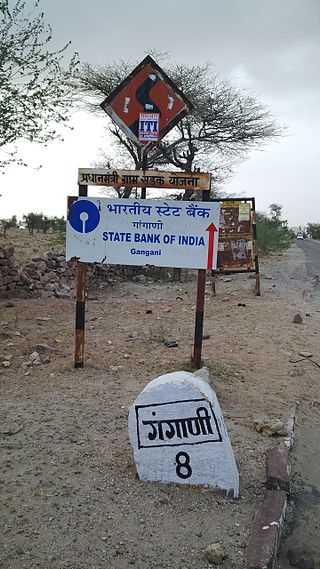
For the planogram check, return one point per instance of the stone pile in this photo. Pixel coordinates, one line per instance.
(51, 275)
(9, 271)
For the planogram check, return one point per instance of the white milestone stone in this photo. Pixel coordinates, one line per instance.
(178, 435)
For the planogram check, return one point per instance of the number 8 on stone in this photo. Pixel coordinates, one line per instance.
(178, 434)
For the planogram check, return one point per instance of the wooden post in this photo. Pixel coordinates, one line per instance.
(80, 303)
(255, 247)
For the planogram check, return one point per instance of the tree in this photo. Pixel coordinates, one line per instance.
(35, 89)
(226, 123)
(275, 212)
(273, 233)
(313, 230)
(8, 224)
(33, 221)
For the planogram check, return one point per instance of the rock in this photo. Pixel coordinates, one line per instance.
(116, 368)
(47, 294)
(300, 558)
(35, 358)
(214, 553)
(269, 277)
(226, 299)
(140, 279)
(271, 427)
(305, 354)
(297, 319)
(205, 374)
(63, 294)
(227, 280)
(171, 343)
(169, 422)
(6, 363)
(42, 348)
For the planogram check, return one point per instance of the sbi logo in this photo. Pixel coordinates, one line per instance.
(83, 216)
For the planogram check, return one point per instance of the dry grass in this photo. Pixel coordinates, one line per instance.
(28, 246)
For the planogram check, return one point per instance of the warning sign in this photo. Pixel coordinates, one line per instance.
(147, 104)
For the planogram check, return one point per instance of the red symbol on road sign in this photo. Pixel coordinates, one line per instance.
(212, 229)
(147, 90)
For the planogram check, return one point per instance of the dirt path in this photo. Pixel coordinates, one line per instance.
(69, 494)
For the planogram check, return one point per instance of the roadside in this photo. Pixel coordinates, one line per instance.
(70, 495)
(303, 520)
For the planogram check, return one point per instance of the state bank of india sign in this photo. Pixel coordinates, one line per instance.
(143, 232)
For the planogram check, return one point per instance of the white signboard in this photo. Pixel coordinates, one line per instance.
(178, 435)
(143, 232)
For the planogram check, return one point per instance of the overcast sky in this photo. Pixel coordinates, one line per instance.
(270, 47)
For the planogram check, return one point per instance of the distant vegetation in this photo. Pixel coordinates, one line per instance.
(35, 222)
(273, 232)
(313, 230)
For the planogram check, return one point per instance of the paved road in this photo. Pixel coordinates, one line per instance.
(311, 250)
(303, 526)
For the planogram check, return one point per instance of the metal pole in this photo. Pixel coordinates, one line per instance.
(144, 167)
(213, 283)
(201, 285)
(80, 303)
(199, 318)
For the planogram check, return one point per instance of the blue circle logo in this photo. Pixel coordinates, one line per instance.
(83, 216)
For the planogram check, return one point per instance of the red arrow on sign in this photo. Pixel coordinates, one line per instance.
(212, 229)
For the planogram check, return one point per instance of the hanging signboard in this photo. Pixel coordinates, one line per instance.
(143, 178)
(140, 232)
(147, 104)
(236, 240)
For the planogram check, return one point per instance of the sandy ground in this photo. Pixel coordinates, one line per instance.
(70, 497)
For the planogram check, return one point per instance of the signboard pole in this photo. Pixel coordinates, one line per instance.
(80, 303)
(144, 168)
(201, 284)
(255, 247)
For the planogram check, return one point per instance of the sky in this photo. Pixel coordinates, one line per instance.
(269, 48)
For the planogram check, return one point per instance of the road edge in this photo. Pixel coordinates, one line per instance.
(266, 530)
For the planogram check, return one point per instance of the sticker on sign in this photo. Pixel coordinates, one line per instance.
(143, 232)
(148, 126)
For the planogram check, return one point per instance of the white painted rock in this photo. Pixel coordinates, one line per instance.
(178, 435)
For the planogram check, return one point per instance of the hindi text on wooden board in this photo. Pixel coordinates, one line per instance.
(141, 179)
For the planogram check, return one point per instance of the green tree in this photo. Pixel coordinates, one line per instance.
(313, 230)
(226, 123)
(273, 233)
(7, 224)
(35, 89)
(59, 224)
(276, 212)
(33, 221)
